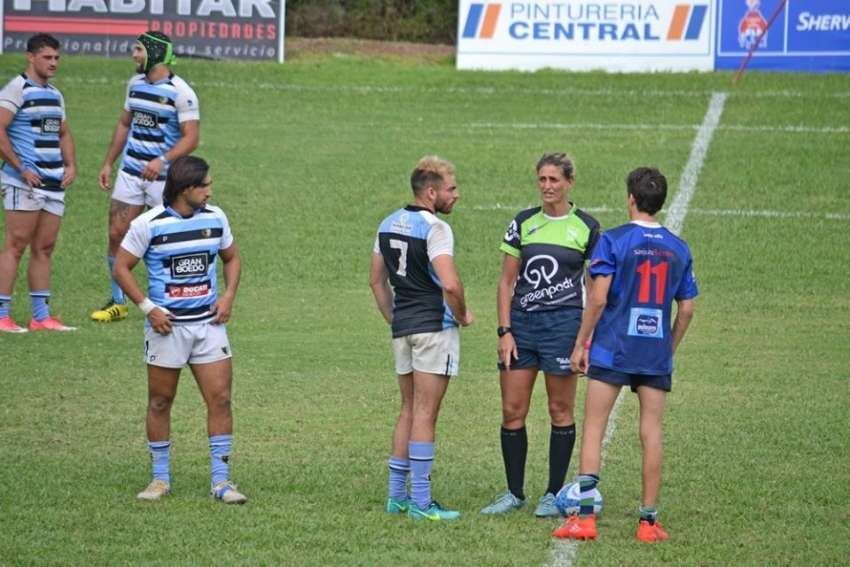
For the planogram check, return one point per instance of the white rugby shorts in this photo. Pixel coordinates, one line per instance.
(25, 199)
(137, 191)
(194, 343)
(434, 353)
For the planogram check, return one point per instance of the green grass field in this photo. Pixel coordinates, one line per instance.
(307, 158)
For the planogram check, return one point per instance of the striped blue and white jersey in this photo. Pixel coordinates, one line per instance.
(408, 240)
(34, 132)
(180, 256)
(156, 112)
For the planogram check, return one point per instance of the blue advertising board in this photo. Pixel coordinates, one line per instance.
(807, 35)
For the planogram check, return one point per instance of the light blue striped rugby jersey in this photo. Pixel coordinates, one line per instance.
(156, 112)
(34, 132)
(408, 240)
(180, 255)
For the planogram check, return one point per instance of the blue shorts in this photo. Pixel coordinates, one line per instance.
(657, 381)
(545, 339)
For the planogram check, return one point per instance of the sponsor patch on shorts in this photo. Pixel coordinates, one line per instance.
(646, 323)
(183, 291)
(189, 265)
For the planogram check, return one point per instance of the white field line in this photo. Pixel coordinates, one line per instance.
(688, 182)
(749, 213)
(785, 128)
(482, 90)
(564, 551)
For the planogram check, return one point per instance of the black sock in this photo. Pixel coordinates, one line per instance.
(514, 451)
(561, 441)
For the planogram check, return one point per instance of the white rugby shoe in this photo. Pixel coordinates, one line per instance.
(227, 492)
(154, 491)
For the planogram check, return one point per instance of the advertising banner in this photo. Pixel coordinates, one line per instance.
(217, 29)
(613, 35)
(807, 35)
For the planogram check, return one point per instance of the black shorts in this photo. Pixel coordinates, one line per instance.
(657, 381)
(545, 339)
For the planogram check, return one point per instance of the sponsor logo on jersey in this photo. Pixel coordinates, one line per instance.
(189, 265)
(183, 291)
(512, 234)
(50, 125)
(646, 323)
(539, 269)
(145, 119)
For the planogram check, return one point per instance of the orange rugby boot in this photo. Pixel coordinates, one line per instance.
(650, 533)
(577, 527)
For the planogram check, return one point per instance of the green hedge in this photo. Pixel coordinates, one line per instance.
(426, 21)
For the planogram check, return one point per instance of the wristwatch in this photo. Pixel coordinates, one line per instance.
(502, 331)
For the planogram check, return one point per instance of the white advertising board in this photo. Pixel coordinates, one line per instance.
(613, 35)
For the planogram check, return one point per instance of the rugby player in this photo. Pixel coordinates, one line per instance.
(638, 270)
(158, 124)
(38, 151)
(419, 293)
(180, 241)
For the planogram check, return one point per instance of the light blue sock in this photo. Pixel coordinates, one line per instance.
(5, 305)
(117, 292)
(161, 460)
(421, 460)
(220, 446)
(399, 469)
(40, 308)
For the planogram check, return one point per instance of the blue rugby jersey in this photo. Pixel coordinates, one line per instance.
(156, 111)
(651, 267)
(180, 256)
(408, 240)
(34, 132)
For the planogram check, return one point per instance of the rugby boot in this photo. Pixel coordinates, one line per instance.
(434, 512)
(650, 533)
(397, 506)
(49, 324)
(577, 527)
(505, 503)
(110, 312)
(154, 491)
(546, 507)
(8, 325)
(227, 492)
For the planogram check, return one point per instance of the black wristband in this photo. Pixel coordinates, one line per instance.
(502, 331)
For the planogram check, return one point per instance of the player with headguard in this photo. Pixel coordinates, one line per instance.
(180, 242)
(39, 165)
(413, 257)
(158, 124)
(638, 270)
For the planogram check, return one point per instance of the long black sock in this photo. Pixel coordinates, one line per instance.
(561, 441)
(514, 451)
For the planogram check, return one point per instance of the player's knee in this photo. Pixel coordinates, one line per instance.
(561, 412)
(220, 402)
(159, 404)
(116, 233)
(43, 249)
(513, 415)
(651, 435)
(15, 248)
